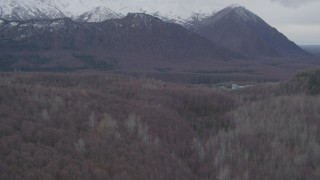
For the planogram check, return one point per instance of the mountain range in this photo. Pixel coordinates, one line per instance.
(78, 10)
(51, 36)
(137, 39)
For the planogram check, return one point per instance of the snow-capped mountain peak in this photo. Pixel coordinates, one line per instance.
(98, 14)
(240, 12)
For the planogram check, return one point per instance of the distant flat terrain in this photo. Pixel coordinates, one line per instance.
(314, 49)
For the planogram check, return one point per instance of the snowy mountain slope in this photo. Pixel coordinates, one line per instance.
(29, 9)
(37, 9)
(33, 9)
(40, 9)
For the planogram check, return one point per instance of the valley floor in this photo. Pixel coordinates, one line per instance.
(73, 126)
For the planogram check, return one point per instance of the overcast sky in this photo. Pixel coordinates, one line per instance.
(299, 20)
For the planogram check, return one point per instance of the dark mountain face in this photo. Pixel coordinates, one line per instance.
(136, 36)
(39, 34)
(136, 33)
(239, 29)
(146, 34)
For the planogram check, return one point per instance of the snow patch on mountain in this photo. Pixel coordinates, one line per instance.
(13, 24)
(170, 18)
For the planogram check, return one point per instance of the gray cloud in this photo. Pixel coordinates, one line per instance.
(294, 3)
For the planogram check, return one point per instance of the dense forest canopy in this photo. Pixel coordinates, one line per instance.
(69, 126)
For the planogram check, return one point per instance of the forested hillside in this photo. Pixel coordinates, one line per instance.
(69, 126)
